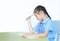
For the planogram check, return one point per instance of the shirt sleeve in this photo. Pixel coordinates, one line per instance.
(49, 26)
(37, 28)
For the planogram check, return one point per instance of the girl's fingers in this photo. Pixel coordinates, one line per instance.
(29, 17)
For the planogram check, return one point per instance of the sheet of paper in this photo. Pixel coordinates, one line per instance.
(29, 37)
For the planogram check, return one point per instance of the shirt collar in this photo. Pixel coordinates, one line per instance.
(46, 20)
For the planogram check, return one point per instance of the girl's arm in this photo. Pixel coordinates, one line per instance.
(44, 34)
(29, 24)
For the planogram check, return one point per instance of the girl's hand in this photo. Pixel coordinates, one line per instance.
(26, 35)
(31, 36)
(35, 35)
(29, 17)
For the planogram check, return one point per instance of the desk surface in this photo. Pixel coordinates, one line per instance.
(13, 36)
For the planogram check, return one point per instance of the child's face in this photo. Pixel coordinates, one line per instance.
(39, 15)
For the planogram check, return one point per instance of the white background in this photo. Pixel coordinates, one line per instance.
(14, 12)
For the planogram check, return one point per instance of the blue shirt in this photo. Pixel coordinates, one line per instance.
(46, 25)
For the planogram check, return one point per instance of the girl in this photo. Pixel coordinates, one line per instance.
(44, 28)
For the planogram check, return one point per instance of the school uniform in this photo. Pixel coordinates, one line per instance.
(45, 25)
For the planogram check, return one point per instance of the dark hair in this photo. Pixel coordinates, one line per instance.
(39, 8)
